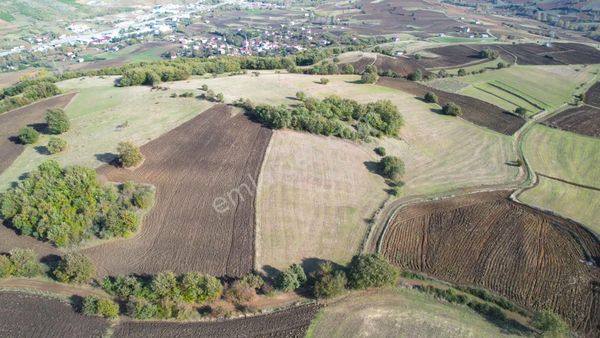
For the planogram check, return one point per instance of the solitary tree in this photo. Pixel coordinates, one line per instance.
(56, 145)
(380, 151)
(462, 72)
(521, 111)
(369, 77)
(392, 167)
(324, 81)
(57, 120)
(368, 271)
(129, 154)
(75, 268)
(300, 95)
(452, 109)
(220, 97)
(28, 135)
(430, 97)
(348, 69)
(416, 76)
(489, 53)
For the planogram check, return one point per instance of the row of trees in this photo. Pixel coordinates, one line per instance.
(333, 115)
(68, 205)
(26, 92)
(57, 122)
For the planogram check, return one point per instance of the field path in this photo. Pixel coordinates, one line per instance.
(211, 160)
(51, 287)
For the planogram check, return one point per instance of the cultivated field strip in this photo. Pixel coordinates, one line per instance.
(215, 156)
(484, 239)
(285, 324)
(27, 315)
(12, 121)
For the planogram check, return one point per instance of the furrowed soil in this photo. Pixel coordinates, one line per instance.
(31, 115)
(27, 315)
(485, 240)
(288, 323)
(584, 120)
(474, 110)
(213, 158)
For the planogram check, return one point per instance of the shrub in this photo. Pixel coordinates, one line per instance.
(299, 272)
(489, 53)
(521, 111)
(240, 293)
(348, 69)
(392, 167)
(300, 96)
(324, 81)
(380, 151)
(57, 120)
(129, 154)
(142, 309)
(25, 263)
(186, 94)
(367, 77)
(430, 97)
(75, 268)
(452, 109)
(287, 281)
(220, 97)
(7, 269)
(550, 324)
(368, 271)
(255, 281)
(222, 309)
(416, 76)
(328, 283)
(165, 286)
(462, 72)
(56, 145)
(89, 306)
(199, 288)
(107, 308)
(28, 135)
(500, 65)
(204, 87)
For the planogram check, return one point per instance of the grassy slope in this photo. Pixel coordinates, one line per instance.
(441, 153)
(559, 84)
(95, 114)
(404, 312)
(570, 157)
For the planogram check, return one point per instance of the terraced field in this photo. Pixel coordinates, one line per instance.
(485, 240)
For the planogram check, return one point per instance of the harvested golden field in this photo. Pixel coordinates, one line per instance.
(535, 259)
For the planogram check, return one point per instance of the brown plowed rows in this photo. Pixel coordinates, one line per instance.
(25, 315)
(286, 324)
(526, 54)
(583, 120)
(12, 121)
(592, 96)
(474, 110)
(401, 66)
(486, 240)
(362, 63)
(191, 166)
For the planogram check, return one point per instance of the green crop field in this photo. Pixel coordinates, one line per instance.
(570, 157)
(534, 88)
(102, 116)
(400, 313)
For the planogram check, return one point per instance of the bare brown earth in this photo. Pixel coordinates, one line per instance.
(400, 65)
(200, 163)
(289, 323)
(592, 96)
(538, 260)
(10, 78)
(12, 121)
(474, 110)
(583, 120)
(524, 54)
(26, 315)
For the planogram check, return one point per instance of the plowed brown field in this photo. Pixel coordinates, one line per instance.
(538, 260)
(474, 110)
(12, 121)
(583, 120)
(202, 161)
(286, 324)
(25, 315)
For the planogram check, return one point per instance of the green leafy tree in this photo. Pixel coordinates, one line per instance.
(501, 65)
(369, 77)
(324, 81)
(204, 87)
(430, 97)
(57, 120)
(489, 53)
(107, 308)
(550, 324)
(300, 95)
(392, 167)
(380, 151)
(129, 154)
(220, 97)
(452, 109)
(165, 286)
(371, 271)
(89, 306)
(28, 135)
(416, 76)
(462, 72)
(521, 111)
(25, 263)
(328, 283)
(75, 268)
(299, 272)
(200, 288)
(7, 269)
(348, 69)
(287, 281)
(56, 145)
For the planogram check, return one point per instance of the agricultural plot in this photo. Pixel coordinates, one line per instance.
(584, 120)
(27, 315)
(101, 116)
(309, 207)
(569, 161)
(399, 65)
(386, 313)
(519, 86)
(592, 96)
(537, 260)
(452, 56)
(287, 323)
(12, 121)
(205, 173)
(474, 110)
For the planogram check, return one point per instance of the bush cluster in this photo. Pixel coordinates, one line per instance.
(75, 268)
(56, 145)
(28, 135)
(332, 116)
(68, 205)
(291, 279)
(20, 263)
(93, 306)
(26, 92)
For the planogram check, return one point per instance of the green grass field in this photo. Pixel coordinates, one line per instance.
(534, 88)
(96, 112)
(400, 313)
(570, 157)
